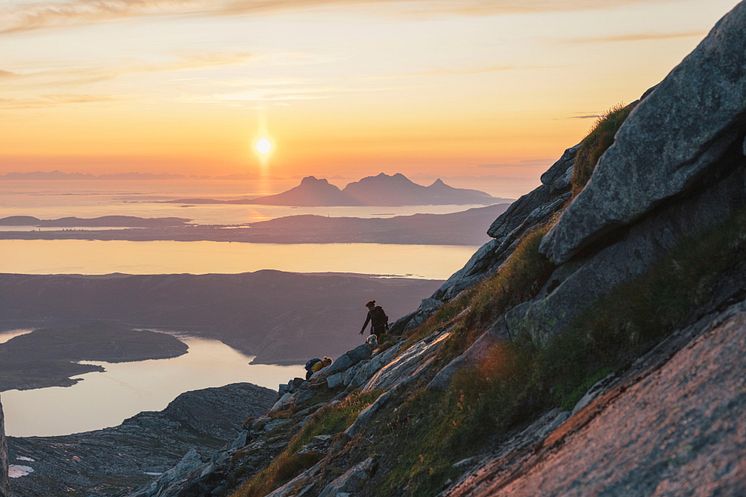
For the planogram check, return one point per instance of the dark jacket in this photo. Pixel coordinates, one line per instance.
(378, 319)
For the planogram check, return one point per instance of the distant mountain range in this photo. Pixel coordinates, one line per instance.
(380, 190)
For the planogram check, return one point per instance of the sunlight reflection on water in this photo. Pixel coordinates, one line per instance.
(124, 389)
(167, 257)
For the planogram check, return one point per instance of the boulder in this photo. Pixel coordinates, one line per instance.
(335, 380)
(317, 445)
(349, 359)
(167, 483)
(559, 176)
(351, 481)
(410, 363)
(364, 371)
(555, 182)
(358, 374)
(283, 402)
(575, 286)
(668, 142)
(300, 486)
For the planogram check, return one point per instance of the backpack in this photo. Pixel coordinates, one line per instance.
(311, 362)
(379, 318)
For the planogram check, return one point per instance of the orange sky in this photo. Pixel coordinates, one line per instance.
(482, 93)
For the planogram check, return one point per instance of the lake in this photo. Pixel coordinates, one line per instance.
(168, 257)
(106, 399)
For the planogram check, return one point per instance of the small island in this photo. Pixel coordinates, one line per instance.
(49, 356)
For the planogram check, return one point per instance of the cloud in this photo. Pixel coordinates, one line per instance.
(515, 164)
(86, 75)
(632, 37)
(64, 175)
(23, 15)
(51, 100)
(7, 74)
(585, 116)
(464, 71)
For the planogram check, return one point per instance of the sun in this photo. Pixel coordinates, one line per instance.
(263, 147)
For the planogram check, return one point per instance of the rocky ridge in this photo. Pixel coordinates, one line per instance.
(114, 461)
(4, 492)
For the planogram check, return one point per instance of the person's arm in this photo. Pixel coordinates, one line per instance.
(367, 320)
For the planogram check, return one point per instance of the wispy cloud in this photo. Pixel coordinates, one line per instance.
(585, 116)
(22, 15)
(7, 74)
(514, 164)
(280, 92)
(44, 101)
(633, 37)
(66, 175)
(85, 75)
(465, 71)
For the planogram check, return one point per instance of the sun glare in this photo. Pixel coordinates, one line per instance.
(263, 147)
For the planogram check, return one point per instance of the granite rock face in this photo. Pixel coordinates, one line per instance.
(576, 286)
(4, 490)
(351, 481)
(643, 433)
(667, 143)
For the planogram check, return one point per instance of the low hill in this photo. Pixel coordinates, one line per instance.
(279, 317)
(96, 222)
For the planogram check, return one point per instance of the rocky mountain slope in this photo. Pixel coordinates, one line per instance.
(114, 461)
(4, 491)
(593, 347)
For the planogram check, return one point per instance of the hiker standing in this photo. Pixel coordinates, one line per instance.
(379, 321)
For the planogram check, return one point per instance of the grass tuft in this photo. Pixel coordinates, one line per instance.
(595, 144)
(329, 420)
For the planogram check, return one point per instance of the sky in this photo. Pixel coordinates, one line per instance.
(484, 94)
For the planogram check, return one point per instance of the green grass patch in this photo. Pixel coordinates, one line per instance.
(334, 419)
(595, 144)
(329, 420)
(638, 314)
(281, 470)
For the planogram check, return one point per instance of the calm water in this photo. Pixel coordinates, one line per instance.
(159, 257)
(19, 200)
(125, 389)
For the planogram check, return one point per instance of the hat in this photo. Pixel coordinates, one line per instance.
(372, 303)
